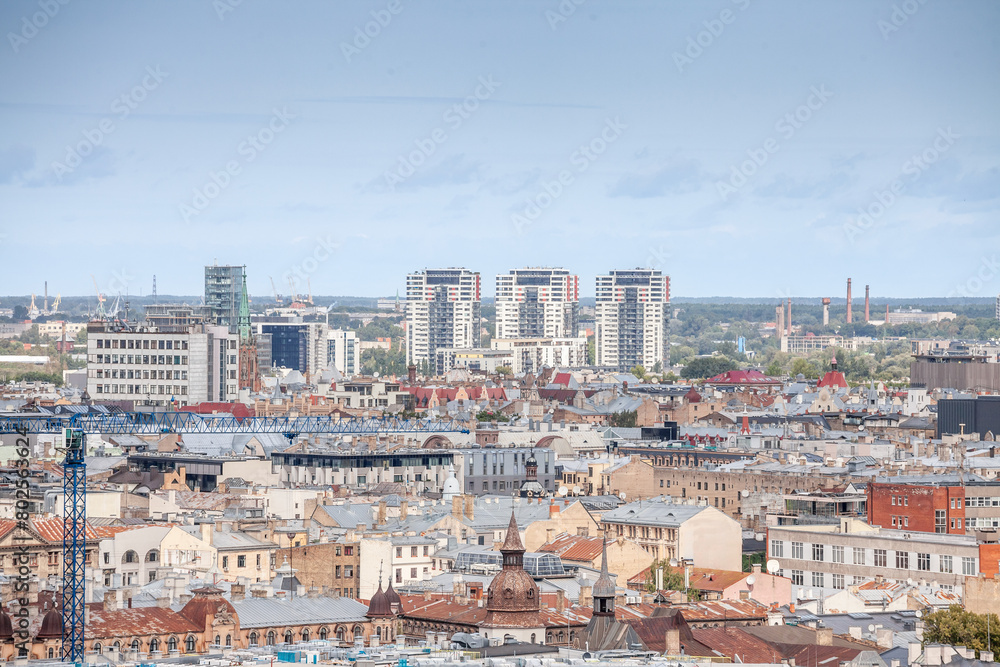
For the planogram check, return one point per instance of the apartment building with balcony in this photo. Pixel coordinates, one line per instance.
(538, 303)
(443, 309)
(631, 316)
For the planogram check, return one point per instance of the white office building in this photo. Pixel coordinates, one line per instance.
(343, 351)
(533, 354)
(537, 303)
(631, 318)
(443, 309)
(153, 366)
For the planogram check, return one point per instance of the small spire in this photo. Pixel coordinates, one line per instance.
(513, 540)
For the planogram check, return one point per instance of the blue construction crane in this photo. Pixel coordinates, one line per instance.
(75, 427)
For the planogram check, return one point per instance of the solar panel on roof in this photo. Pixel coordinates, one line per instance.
(859, 615)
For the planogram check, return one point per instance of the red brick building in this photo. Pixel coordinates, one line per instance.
(925, 508)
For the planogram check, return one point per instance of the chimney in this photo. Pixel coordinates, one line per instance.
(110, 600)
(826, 311)
(404, 510)
(470, 506)
(313, 592)
(824, 637)
(411, 374)
(237, 592)
(755, 568)
(163, 601)
(788, 324)
(206, 533)
(381, 512)
(553, 510)
(849, 320)
(456, 506)
(586, 595)
(867, 317)
(779, 320)
(883, 637)
(673, 642)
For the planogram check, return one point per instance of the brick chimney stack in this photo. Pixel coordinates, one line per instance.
(867, 315)
(849, 319)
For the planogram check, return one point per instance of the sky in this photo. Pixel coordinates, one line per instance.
(748, 148)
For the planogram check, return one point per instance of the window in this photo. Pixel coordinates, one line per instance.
(426, 550)
(189, 643)
(154, 645)
(817, 579)
(924, 562)
(940, 521)
(902, 560)
(271, 638)
(945, 564)
(838, 581)
(859, 555)
(797, 550)
(777, 549)
(241, 561)
(413, 552)
(336, 571)
(880, 558)
(288, 637)
(797, 578)
(968, 566)
(349, 571)
(348, 551)
(253, 639)
(818, 552)
(225, 562)
(837, 554)
(413, 573)
(399, 552)
(172, 644)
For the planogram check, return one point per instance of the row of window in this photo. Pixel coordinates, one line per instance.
(241, 561)
(129, 374)
(413, 551)
(983, 501)
(178, 389)
(838, 581)
(880, 557)
(145, 359)
(143, 344)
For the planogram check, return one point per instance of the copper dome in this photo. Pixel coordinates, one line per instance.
(51, 626)
(6, 626)
(379, 605)
(392, 596)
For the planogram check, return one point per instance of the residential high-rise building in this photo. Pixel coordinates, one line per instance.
(631, 318)
(295, 344)
(443, 309)
(537, 303)
(344, 351)
(223, 289)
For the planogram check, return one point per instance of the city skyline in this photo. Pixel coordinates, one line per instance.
(612, 135)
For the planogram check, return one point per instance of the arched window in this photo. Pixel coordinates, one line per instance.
(229, 640)
(358, 632)
(98, 647)
(130, 557)
(288, 637)
(324, 632)
(532, 637)
(136, 645)
(52, 653)
(341, 632)
(270, 638)
(118, 646)
(305, 634)
(189, 644)
(172, 644)
(378, 633)
(152, 556)
(218, 640)
(253, 639)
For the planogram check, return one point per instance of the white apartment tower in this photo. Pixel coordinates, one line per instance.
(344, 351)
(443, 309)
(631, 318)
(537, 303)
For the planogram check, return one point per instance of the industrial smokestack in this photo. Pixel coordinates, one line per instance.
(788, 324)
(826, 311)
(46, 296)
(779, 320)
(849, 319)
(867, 318)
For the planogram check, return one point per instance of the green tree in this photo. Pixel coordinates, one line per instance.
(623, 419)
(490, 416)
(681, 354)
(774, 369)
(958, 627)
(639, 371)
(805, 367)
(673, 579)
(591, 351)
(706, 367)
(505, 370)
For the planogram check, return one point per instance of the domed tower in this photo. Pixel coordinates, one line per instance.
(451, 488)
(604, 587)
(530, 488)
(382, 616)
(395, 603)
(512, 597)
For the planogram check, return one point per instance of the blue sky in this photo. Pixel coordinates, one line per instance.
(733, 144)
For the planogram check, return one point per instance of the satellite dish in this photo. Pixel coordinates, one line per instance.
(375, 374)
(909, 582)
(751, 580)
(622, 495)
(919, 614)
(745, 493)
(673, 562)
(563, 490)
(871, 627)
(773, 566)
(577, 491)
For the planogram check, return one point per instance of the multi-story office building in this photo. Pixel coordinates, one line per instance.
(537, 303)
(302, 346)
(419, 469)
(631, 318)
(826, 558)
(343, 351)
(501, 470)
(934, 504)
(223, 287)
(481, 359)
(443, 309)
(151, 366)
(532, 354)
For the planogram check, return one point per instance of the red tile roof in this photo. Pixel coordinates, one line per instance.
(136, 622)
(752, 377)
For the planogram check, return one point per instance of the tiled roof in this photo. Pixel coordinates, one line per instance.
(138, 621)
